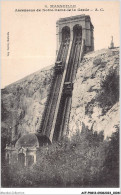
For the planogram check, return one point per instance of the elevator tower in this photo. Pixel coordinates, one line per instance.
(74, 38)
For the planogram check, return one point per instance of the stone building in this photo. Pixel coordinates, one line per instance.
(87, 28)
(24, 152)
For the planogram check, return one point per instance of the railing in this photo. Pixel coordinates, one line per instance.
(66, 66)
(66, 100)
(50, 107)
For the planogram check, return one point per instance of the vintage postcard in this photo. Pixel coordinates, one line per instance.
(60, 111)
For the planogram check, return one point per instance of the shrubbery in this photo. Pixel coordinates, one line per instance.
(86, 161)
(109, 93)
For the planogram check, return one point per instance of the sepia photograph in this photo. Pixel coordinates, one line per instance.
(60, 109)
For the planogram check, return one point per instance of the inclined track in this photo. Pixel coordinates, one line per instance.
(63, 111)
(54, 90)
(65, 105)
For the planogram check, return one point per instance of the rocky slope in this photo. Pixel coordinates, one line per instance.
(95, 100)
(23, 103)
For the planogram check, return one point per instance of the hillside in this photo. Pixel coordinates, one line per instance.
(95, 99)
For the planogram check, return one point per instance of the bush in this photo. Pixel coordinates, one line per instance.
(109, 93)
(81, 162)
(110, 173)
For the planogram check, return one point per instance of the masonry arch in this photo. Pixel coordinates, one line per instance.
(30, 160)
(65, 33)
(77, 31)
(21, 159)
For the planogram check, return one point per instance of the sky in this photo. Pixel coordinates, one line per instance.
(30, 37)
